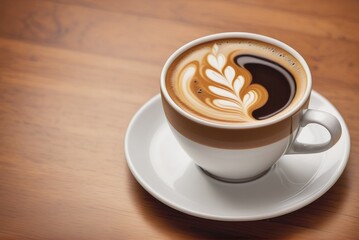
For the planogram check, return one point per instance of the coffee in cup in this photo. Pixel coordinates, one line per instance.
(235, 81)
(237, 101)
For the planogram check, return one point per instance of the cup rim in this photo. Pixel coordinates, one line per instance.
(225, 35)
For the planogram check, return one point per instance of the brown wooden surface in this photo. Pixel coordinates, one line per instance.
(73, 73)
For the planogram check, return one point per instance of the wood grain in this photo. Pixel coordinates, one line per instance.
(73, 73)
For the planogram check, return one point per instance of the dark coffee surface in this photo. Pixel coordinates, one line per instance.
(277, 80)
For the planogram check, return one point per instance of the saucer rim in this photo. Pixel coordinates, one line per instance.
(309, 199)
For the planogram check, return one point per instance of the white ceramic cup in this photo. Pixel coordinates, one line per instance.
(243, 153)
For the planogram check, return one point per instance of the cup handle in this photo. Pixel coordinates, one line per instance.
(325, 119)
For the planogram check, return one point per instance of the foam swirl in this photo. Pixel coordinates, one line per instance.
(215, 87)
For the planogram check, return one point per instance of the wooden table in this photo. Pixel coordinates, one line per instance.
(73, 73)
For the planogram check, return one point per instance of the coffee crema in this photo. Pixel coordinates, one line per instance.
(235, 81)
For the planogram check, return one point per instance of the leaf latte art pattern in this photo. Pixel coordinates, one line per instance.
(217, 88)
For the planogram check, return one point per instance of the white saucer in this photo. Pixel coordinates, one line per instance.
(165, 171)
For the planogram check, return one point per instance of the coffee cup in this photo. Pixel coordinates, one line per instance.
(236, 102)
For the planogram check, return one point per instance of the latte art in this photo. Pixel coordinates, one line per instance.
(235, 81)
(216, 85)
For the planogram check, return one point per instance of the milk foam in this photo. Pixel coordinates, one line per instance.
(208, 83)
